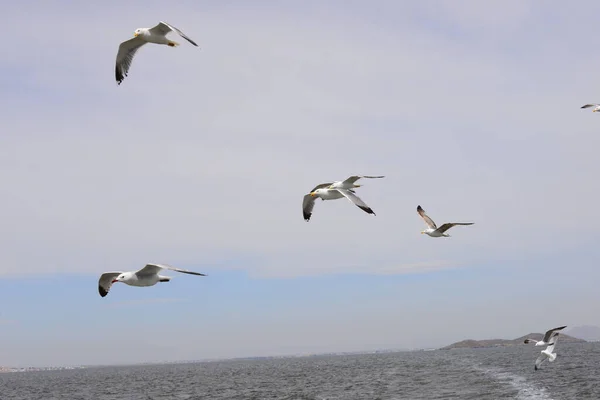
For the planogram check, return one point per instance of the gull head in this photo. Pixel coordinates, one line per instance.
(121, 278)
(137, 32)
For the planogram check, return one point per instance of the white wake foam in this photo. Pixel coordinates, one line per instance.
(526, 390)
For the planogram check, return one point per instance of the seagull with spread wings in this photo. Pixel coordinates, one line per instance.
(550, 338)
(433, 230)
(141, 36)
(147, 276)
(596, 107)
(333, 191)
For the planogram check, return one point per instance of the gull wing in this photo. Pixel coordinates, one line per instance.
(356, 200)
(308, 203)
(354, 178)
(550, 333)
(542, 357)
(125, 55)
(152, 269)
(163, 28)
(105, 282)
(427, 220)
(590, 105)
(552, 343)
(322, 185)
(449, 225)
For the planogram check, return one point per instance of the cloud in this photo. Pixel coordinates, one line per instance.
(144, 302)
(278, 271)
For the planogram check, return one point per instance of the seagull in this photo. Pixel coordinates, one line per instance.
(550, 338)
(546, 339)
(141, 36)
(336, 190)
(147, 276)
(433, 230)
(596, 107)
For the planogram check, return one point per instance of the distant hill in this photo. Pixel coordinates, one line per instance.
(586, 332)
(472, 344)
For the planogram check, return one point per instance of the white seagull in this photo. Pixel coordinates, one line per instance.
(335, 190)
(141, 36)
(433, 230)
(547, 336)
(550, 338)
(596, 107)
(147, 276)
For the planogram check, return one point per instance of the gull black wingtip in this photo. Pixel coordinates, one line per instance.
(367, 210)
(102, 292)
(119, 75)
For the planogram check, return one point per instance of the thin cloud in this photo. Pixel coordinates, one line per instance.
(371, 269)
(144, 302)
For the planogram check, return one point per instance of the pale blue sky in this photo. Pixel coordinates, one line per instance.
(201, 157)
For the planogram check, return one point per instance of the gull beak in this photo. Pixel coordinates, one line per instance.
(135, 34)
(115, 280)
(312, 194)
(422, 232)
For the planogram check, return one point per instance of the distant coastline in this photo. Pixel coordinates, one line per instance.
(474, 344)
(34, 369)
(464, 344)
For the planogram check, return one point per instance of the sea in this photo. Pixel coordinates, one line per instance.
(486, 373)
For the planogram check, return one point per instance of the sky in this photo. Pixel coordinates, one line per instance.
(201, 157)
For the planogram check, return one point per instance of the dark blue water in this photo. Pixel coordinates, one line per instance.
(496, 373)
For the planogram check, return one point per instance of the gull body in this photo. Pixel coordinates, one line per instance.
(434, 233)
(141, 36)
(327, 194)
(432, 229)
(147, 35)
(333, 191)
(147, 276)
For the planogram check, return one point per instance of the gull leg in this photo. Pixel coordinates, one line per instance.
(172, 44)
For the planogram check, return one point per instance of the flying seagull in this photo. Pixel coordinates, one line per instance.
(433, 230)
(547, 353)
(546, 339)
(596, 107)
(147, 276)
(335, 190)
(141, 36)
